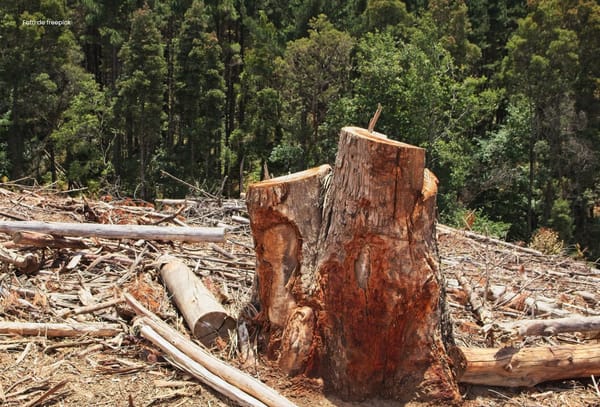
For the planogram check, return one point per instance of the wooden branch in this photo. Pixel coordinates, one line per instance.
(232, 375)
(12, 216)
(487, 239)
(547, 327)
(58, 330)
(27, 264)
(205, 316)
(524, 302)
(477, 303)
(511, 367)
(45, 240)
(38, 401)
(92, 308)
(184, 362)
(373, 121)
(146, 232)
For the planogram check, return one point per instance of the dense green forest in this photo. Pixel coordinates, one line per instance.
(123, 96)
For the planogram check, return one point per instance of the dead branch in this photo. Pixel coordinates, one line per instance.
(487, 239)
(146, 232)
(27, 264)
(184, 362)
(58, 330)
(92, 308)
(477, 303)
(547, 327)
(232, 375)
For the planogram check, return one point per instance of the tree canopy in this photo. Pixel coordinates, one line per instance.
(505, 96)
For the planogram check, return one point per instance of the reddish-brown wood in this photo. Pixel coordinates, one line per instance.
(347, 272)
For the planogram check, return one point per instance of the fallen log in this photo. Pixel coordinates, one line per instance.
(58, 330)
(27, 264)
(35, 239)
(146, 232)
(184, 362)
(205, 316)
(547, 327)
(232, 375)
(511, 367)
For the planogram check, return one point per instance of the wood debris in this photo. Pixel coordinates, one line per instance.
(533, 301)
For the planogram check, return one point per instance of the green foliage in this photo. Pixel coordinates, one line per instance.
(477, 221)
(314, 72)
(287, 158)
(200, 95)
(383, 14)
(561, 219)
(453, 31)
(78, 138)
(139, 104)
(424, 102)
(503, 95)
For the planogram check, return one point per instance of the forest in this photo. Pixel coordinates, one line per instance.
(163, 98)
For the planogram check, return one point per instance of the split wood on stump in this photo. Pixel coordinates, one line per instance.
(347, 273)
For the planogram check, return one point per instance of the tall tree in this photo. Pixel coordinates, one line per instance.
(454, 29)
(139, 104)
(315, 72)
(103, 29)
(37, 60)
(200, 94)
(542, 64)
(492, 24)
(260, 128)
(81, 136)
(382, 14)
(425, 102)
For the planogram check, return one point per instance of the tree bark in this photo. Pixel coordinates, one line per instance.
(512, 367)
(348, 277)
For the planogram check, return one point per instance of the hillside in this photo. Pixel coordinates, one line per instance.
(123, 369)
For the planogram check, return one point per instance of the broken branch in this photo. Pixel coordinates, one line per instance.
(146, 232)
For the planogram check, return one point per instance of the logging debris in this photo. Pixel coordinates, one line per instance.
(80, 281)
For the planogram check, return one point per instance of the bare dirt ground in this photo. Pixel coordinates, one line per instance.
(125, 370)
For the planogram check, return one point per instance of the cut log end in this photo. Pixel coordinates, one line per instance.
(205, 316)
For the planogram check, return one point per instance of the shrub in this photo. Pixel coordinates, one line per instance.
(547, 241)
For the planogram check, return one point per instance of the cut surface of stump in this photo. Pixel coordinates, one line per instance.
(362, 287)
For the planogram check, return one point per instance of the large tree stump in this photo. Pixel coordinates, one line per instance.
(348, 278)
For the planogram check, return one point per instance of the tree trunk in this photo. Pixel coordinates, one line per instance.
(348, 278)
